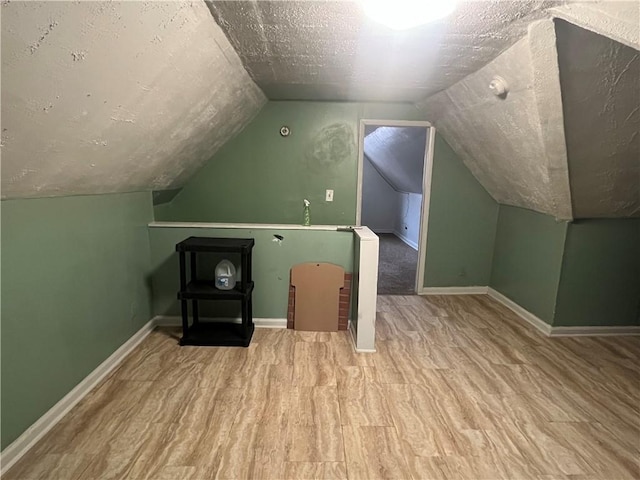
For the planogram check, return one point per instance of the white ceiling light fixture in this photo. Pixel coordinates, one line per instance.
(406, 14)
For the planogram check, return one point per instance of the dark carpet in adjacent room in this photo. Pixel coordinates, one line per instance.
(397, 266)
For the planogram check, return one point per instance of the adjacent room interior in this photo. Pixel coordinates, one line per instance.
(393, 163)
(466, 174)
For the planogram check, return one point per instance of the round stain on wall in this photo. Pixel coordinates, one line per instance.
(332, 145)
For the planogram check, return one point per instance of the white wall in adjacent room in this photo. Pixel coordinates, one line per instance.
(407, 225)
(380, 202)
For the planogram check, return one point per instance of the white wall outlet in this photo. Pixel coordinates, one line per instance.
(329, 196)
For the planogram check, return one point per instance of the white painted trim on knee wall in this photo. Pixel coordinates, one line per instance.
(454, 290)
(539, 324)
(367, 273)
(601, 331)
(46, 422)
(548, 330)
(526, 315)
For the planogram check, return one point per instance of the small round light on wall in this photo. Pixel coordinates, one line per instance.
(499, 87)
(284, 131)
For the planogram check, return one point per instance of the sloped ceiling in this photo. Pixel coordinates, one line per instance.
(104, 97)
(397, 153)
(327, 50)
(600, 81)
(115, 96)
(515, 145)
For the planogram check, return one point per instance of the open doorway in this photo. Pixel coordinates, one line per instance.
(394, 180)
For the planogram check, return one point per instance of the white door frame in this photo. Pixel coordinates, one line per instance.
(426, 184)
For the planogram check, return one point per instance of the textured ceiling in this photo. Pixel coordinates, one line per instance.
(514, 146)
(566, 149)
(104, 97)
(328, 50)
(601, 101)
(397, 153)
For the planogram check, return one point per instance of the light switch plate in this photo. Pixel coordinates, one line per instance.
(329, 196)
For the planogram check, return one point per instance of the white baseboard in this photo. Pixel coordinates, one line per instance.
(365, 350)
(354, 336)
(176, 321)
(526, 315)
(10, 455)
(382, 230)
(453, 291)
(270, 322)
(406, 240)
(631, 330)
(548, 330)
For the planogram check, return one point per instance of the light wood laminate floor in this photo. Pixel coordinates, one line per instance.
(458, 389)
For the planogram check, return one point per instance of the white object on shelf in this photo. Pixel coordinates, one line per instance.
(225, 275)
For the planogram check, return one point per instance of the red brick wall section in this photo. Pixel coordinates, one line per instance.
(345, 300)
(343, 311)
(292, 302)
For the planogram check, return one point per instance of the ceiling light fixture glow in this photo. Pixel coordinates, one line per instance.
(406, 14)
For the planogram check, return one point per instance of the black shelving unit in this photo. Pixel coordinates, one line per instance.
(195, 289)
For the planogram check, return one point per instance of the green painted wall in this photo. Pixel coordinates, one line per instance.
(262, 177)
(74, 289)
(271, 264)
(527, 259)
(462, 224)
(600, 281)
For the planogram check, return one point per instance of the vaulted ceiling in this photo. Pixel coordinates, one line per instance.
(517, 145)
(397, 153)
(115, 96)
(514, 145)
(122, 96)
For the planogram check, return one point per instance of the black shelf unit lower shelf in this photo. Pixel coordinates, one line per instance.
(218, 334)
(206, 290)
(194, 289)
